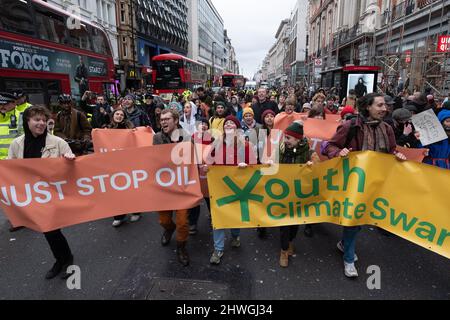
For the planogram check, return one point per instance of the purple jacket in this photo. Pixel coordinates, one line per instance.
(337, 142)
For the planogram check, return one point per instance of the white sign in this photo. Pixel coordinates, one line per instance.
(429, 127)
(318, 62)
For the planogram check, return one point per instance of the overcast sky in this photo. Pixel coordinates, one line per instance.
(251, 25)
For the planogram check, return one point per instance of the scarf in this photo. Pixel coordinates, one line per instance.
(33, 146)
(375, 136)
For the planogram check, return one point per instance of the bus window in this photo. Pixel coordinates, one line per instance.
(50, 26)
(99, 40)
(79, 38)
(15, 16)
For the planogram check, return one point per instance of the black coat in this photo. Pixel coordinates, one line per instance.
(259, 109)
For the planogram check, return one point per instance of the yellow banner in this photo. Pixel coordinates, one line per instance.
(406, 198)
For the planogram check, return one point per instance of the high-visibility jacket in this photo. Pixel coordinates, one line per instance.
(11, 127)
(23, 107)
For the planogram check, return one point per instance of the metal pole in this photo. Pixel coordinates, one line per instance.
(133, 45)
(212, 70)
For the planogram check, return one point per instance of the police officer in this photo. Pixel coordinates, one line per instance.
(21, 102)
(11, 126)
(11, 122)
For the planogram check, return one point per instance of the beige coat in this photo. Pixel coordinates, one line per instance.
(55, 147)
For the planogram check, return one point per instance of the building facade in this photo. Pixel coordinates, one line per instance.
(148, 28)
(399, 36)
(207, 42)
(103, 12)
(406, 46)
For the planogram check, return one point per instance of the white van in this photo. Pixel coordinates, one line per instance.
(250, 85)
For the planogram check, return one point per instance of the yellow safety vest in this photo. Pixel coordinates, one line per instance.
(23, 107)
(11, 127)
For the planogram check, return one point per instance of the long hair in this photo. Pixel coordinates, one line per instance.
(367, 101)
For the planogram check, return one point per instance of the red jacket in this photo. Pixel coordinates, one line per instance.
(337, 142)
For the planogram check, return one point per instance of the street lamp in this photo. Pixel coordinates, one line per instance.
(212, 70)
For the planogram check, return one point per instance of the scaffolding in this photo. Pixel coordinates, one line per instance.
(420, 68)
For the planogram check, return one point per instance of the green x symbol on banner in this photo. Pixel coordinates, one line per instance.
(242, 195)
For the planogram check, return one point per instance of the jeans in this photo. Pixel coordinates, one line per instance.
(349, 242)
(59, 246)
(219, 237)
(182, 223)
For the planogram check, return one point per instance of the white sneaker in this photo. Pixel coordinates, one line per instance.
(117, 223)
(350, 270)
(135, 217)
(340, 246)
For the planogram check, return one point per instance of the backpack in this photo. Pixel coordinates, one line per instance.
(350, 136)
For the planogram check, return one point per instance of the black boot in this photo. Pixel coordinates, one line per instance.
(262, 233)
(59, 267)
(182, 254)
(308, 231)
(167, 235)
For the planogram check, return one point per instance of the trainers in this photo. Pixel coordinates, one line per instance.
(236, 242)
(216, 256)
(135, 217)
(193, 229)
(340, 246)
(117, 223)
(350, 270)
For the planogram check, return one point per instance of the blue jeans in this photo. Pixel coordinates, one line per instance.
(349, 242)
(219, 237)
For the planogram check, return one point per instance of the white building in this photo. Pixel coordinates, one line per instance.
(206, 36)
(101, 11)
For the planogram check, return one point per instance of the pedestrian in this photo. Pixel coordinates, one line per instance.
(248, 123)
(294, 149)
(101, 114)
(235, 108)
(404, 129)
(134, 114)
(37, 143)
(72, 126)
(119, 121)
(11, 127)
(187, 120)
(367, 132)
(439, 154)
(263, 104)
(233, 151)
(170, 122)
(216, 122)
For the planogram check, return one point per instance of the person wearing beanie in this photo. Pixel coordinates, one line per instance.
(347, 113)
(439, 152)
(267, 120)
(201, 137)
(37, 143)
(232, 151)
(405, 135)
(294, 149)
(217, 121)
(248, 122)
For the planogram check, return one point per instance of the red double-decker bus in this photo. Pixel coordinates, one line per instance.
(231, 80)
(173, 73)
(41, 47)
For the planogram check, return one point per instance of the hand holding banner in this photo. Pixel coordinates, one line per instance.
(53, 193)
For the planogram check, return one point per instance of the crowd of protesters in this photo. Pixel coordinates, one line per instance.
(374, 122)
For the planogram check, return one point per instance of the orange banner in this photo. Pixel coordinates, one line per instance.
(413, 154)
(106, 140)
(54, 193)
